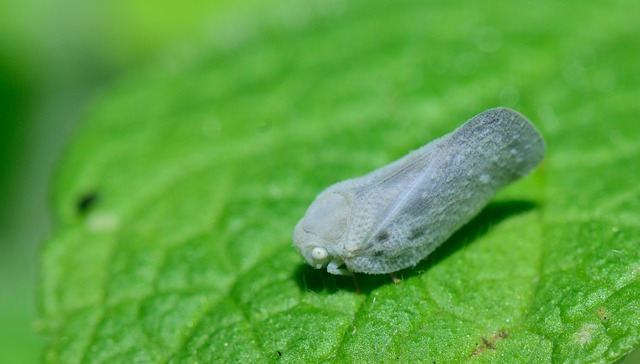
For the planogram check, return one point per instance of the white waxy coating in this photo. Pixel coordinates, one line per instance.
(393, 217)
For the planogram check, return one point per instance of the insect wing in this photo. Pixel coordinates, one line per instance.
(377, 223)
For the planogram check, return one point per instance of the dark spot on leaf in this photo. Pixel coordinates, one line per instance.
(378, 253)
(602, 313)
(86, 202)
(279, 353)
(490, 343)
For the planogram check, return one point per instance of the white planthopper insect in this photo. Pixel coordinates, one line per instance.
(393, 217)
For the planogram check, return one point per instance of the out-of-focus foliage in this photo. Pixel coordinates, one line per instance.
(54, 56)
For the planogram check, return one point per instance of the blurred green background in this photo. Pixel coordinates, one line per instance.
(55, 57)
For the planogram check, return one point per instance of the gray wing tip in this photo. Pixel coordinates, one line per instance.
(505, 113)
(512, 122)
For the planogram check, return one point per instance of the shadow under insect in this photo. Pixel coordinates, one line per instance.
(318, 280)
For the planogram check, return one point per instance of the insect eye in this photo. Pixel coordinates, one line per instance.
(319, 253)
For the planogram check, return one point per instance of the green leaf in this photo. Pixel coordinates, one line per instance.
(175, 203)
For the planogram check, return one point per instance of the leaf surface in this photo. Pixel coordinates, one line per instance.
(175, 203)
